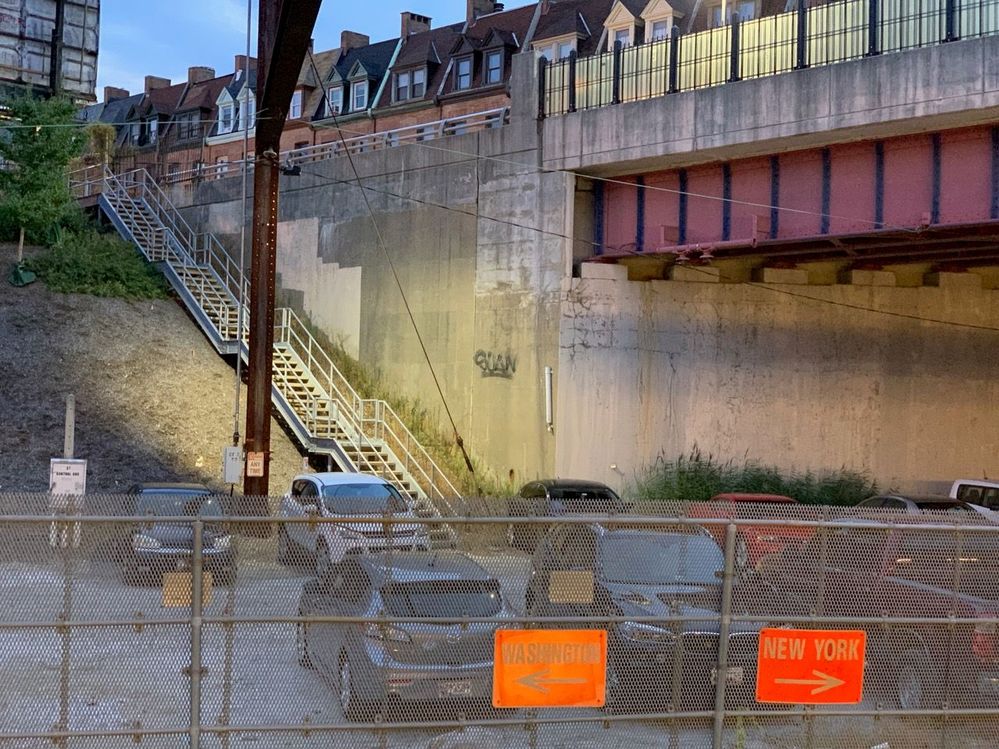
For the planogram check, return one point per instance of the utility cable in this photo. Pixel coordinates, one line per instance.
(579, 240)
(398, 282)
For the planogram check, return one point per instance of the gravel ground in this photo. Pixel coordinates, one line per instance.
(154, 402)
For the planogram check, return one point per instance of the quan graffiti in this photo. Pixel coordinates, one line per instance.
(493, 364)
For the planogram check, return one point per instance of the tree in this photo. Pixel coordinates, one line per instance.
(36, 146)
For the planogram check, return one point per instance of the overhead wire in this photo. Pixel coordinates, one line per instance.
(459, 441)
(580, 240)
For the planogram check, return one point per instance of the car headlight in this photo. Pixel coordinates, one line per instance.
(222, 542)
(141, 541)
(637, 632)
(378, 631)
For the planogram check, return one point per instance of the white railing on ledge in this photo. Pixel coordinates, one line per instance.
(469, 123)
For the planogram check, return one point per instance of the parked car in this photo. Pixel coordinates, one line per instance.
(372, 664)
(871, 571)
(663, 574)
(915, 504)
(976, 492)
(753, 544)
(340, 495)
(154, 547)
(554, 497)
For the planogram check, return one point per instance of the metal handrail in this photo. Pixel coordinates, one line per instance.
(189, 249)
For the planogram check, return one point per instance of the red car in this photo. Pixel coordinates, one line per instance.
(753, 544)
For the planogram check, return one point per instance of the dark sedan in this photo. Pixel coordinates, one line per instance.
(555, 497)
(670, 581)
(155, 546)
(374, 664)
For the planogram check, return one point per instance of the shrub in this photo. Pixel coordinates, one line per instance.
(91, 262)
(698, 477)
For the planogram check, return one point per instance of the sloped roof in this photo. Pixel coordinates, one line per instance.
(375, 59)
(583, 17)
(163, 101)
(204, 94)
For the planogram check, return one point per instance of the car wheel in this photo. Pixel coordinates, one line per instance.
(302, 644)
(354, 709)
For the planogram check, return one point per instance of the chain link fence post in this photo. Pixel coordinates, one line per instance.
(724, 628)
(196, 615)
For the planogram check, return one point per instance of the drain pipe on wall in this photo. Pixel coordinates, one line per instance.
(549, 401)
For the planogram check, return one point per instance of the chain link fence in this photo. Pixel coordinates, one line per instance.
(122, 627)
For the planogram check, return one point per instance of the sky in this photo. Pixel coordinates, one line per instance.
(166, 37)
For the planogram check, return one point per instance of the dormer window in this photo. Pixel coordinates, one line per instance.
(494, 67)
(335, 100)
(153, 129)
(745, 8)
(295, 111)
(225, 118)
(359, 100)
(463, 74)
(658, 30)
(623, 35)
(555, 50)
(410, 84)
(248, 113)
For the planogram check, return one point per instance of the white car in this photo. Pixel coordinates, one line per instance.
(341, 495)
(976, 491)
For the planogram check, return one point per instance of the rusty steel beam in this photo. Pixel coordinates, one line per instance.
(285, 32)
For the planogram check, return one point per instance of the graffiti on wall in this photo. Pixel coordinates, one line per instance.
(494, 364)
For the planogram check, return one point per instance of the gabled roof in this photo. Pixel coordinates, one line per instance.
(162, 101)
(428, 47)
(205, 94)
(373, 58)
(240, 79)
(584, 18)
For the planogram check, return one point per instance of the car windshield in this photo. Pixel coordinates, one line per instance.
(362, 499)
(173, 503)
(442, 598)
(661, 559)
(585, 492)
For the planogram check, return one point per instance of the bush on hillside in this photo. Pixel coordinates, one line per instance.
(90, 262)
(698, 477)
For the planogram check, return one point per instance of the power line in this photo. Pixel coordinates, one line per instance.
(558, 235)
(398, 282)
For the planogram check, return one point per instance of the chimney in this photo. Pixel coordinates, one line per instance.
(353, 40)
(476, 8)
(111, 94)
(153, 83)
(413, 23)
(199, 74)
(243, 62)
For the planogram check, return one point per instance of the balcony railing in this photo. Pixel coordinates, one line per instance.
(423, 132)
(805, 37)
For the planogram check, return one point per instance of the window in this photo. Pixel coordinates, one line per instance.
(360, 98)
(401, 86)
(221, 165)
(295, 112)
(494, 67)
(623, 36)
(745, 8)
(188, 126)
(134, 133)
(555, 51)
(565, 49)
(173, 167)
(427, 132)
(463, 74)
(335, 103)
(660, 30)
(419, 83)
(302, 144)
(153, 129)
(248, 110)
(225, 119)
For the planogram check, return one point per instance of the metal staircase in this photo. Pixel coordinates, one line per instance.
(320, 407)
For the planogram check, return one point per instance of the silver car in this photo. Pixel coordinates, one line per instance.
(375, 663)
(339, 496)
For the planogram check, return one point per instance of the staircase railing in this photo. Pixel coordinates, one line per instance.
(363, 422)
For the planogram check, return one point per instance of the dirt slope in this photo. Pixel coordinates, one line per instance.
(154, 400)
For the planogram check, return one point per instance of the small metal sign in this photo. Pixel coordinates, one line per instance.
(232, 464)
(254, 465)
(178, 586)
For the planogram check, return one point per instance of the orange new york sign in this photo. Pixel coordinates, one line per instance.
(810, 666)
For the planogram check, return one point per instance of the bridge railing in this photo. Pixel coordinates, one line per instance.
(808, 36)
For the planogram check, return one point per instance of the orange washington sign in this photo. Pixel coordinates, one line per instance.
(549, 668)
(810, 666)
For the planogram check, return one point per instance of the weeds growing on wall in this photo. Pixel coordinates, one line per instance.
(421, 422)
(698, 477)
(86, 261)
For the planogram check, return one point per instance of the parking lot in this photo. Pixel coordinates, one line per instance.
(122, 668)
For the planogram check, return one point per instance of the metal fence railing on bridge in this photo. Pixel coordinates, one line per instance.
(811, 35)
(678, 624)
